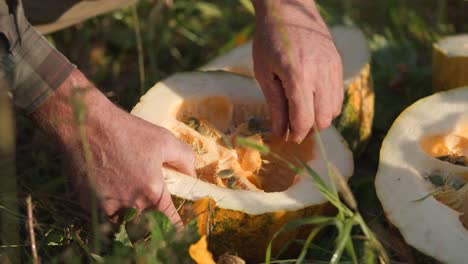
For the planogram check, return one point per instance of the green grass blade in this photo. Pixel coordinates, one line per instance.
(326, 262)
(251, 144)
(316, 220)
(326, 192)
(343, 187)
(374, 242)
(247, 4)
(285, 247)
(437, 191)
(314, 175)
(351, 251)
(369, 254)
(342, 240)
(140, 50)
(324, 155)
(281, 261)
(86, 249)
(321, 185)
(309, 240)
(97, 258)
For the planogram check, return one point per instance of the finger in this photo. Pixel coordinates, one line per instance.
(300, 106)
(178, 155)
(115, 209)
(324, 106)
(337, 70)
(339, 102)
(274, 96)
(111, 208)
(277, 103)
(328, 95)
(163, 203)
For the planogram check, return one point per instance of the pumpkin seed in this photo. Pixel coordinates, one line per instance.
(436, 179)
(461, 161)
(456, 183)
(443, 158)
(225, 173)
(227, 141)
(245, 142)
(192, 122)
(455, 160)
(202, 130)
(231, 182)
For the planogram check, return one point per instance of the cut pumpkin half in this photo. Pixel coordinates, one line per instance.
(241, 196)
(422, 175)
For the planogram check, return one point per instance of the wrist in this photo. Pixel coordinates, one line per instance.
(288, 11)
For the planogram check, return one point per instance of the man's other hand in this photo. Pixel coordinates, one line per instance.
(127, 153)
(297, 66)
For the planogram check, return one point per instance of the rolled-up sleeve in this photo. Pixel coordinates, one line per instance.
(29, 66)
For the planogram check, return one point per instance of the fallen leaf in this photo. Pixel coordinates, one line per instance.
(199, 252)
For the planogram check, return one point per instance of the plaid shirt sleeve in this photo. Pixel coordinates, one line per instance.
(30, 67)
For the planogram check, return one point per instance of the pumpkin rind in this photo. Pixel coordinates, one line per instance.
(450, 63)
(230, 231)
(355, 121)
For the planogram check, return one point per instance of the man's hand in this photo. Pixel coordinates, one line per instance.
(127, 153)
(297, 65)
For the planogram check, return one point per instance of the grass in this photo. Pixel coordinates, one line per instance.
(183, 36)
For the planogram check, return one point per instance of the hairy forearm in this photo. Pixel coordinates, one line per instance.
(75, 103)
(308, 7)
